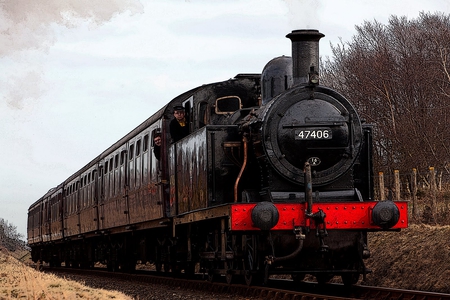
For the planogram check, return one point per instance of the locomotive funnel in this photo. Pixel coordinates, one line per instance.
(305, 53)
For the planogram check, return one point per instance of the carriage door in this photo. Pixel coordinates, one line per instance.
(99, 196)
(124, 181)
(156, 163)
(46, 220)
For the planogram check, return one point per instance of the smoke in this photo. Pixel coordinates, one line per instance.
(22, 87)
(304, 14)
(29, 25)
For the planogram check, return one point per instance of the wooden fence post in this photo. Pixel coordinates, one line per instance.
(433, 192)
(397, 184)
(381, 182)
(439, 184)
(414, 191)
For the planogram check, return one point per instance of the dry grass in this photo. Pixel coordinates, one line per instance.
(18, 281)
(415, 258)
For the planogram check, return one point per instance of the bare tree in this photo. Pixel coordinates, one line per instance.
(398, 76)
(9, 237)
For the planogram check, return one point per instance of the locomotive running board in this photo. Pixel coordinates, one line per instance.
(215, 212)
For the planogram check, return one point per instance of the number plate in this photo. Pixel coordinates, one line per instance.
(313, 134)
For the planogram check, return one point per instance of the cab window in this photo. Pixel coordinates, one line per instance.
(227, 105)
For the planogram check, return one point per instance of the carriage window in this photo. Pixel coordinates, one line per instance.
(111, 164)
(228, 104)
(138, 148)
(131, 154)
(122, 157)
(116, 160)
(145, 143)
(155, 132)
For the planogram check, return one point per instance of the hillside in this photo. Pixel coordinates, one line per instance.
(20, 281)
(416, 258)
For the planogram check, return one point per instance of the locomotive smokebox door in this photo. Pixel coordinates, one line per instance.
(324, 131)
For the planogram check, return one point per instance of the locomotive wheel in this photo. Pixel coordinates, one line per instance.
(297, 278)
(350, 279)
(129, 266)
(323, 278)
(229, 275)
(251, 276)
(112, 266)
(248, 277)
(229, 278)
(212, 275)
(158, 267)
(166, 267)
(176, 269)
(190, 268)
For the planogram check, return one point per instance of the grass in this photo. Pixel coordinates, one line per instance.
(414, 258)
(19, 281)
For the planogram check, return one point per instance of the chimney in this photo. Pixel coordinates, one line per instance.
(305, 53)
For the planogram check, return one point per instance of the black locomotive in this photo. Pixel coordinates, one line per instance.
(274, 177)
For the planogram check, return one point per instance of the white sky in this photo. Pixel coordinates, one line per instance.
(78, 75)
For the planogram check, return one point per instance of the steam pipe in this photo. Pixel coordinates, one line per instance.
(289, 256)
(244, 164)
(308, 189)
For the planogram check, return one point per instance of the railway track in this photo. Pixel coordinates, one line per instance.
(277, 289)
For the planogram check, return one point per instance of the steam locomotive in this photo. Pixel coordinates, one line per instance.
(274, 177)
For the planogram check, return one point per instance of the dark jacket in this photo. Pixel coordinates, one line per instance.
(157, 151)
(177, 132)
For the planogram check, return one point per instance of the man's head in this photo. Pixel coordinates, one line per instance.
(157, 139)
(178, 112)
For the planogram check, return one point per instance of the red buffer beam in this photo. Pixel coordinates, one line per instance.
(348, 215)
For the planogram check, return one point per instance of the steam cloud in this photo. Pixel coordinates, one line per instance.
(304, 13)
(27, 25)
